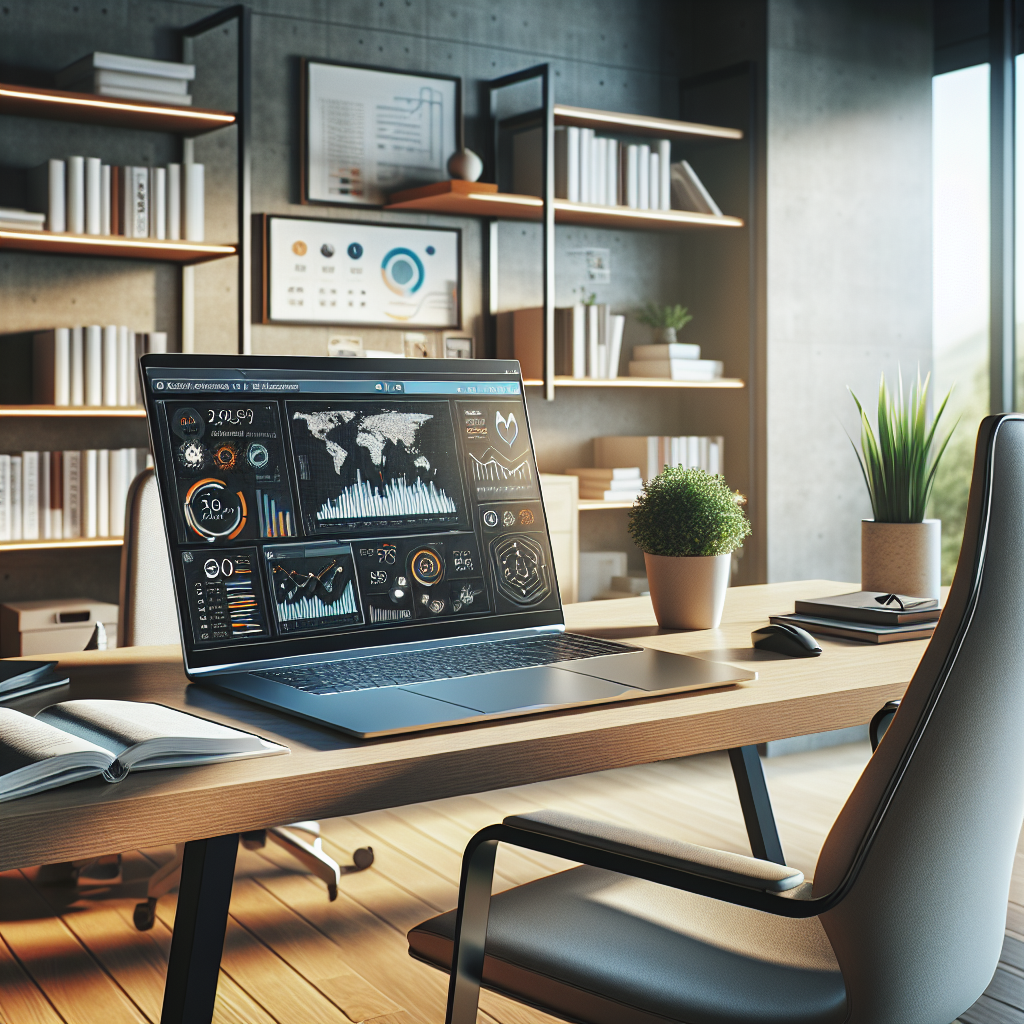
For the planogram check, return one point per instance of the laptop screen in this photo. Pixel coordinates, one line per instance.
(319, 505)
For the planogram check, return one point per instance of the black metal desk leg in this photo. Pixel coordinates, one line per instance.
(756, 804)
(207, 871)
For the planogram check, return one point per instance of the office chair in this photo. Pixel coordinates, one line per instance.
(147, 615)
(904, 919)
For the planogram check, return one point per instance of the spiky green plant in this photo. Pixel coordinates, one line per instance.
(898, 465)
(664, 316)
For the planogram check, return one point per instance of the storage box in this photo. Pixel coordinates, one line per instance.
(53, 627)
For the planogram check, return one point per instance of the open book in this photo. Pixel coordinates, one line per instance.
(78, 739)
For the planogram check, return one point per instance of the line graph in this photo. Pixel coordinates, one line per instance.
(314, 608)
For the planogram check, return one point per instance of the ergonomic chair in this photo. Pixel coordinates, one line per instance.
(904, 919)
(147, 615)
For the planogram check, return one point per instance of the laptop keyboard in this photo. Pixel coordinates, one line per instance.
(447, 663)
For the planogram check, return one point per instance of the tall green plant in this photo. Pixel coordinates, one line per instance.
(898, 465)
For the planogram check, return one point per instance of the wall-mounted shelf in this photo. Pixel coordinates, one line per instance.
(185, 253)
(639, 124)
(481, 199)
(54, 545)
(639, 382)
(590, 504)
(132, 412)
(84, 108)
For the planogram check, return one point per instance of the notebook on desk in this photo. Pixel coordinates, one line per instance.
(363, 543)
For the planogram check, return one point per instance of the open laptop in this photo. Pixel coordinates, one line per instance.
(363, 543)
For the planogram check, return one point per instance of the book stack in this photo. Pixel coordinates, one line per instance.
(90, 365)
(84, 196)
(617, 484)
(673, 362)
(133, 78)
(21, 220)
(866, 615)
(688, 191)
(652, 454)
(67, 494)
(588, 340)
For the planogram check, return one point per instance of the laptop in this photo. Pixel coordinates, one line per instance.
(362, 543)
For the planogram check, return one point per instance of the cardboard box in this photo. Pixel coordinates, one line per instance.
(53, 627)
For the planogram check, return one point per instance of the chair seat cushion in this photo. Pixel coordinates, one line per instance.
(599, 947)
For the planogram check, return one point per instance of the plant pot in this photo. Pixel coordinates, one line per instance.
(664, 336)
(688, 593)
(901, 558)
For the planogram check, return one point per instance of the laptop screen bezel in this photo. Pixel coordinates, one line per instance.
(332, 644)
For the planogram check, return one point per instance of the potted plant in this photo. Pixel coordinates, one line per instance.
(900, 550)
(665, 320)
(687, 523)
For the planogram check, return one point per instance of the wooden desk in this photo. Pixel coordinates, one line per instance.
(328, 774)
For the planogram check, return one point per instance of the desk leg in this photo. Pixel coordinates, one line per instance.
(756, 804)
(207, 872)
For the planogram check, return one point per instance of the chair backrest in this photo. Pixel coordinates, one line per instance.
(925, 844)
(147, 613)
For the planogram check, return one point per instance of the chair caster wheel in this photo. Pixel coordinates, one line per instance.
(144, 915)
(363, 858)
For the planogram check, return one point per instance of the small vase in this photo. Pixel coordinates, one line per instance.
(465, 164)
(664, 335)
(901, 558)
(688, 593)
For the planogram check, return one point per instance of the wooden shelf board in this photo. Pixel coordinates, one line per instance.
(134, 412)
(638, 124)
(54, 545)
(589, 504)
(114, 245)
(85, 108)
(639, 382)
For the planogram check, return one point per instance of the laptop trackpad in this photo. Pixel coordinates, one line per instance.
(520, 689)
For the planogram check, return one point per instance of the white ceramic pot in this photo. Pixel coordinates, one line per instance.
(901, 558)
(664, 335)
(465, 164)
(688, 593)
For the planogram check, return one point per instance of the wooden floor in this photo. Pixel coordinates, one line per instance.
(293, 957)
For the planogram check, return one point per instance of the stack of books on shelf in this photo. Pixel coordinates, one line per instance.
(652, 454)
(673, 362)
(66, 494)
(588, 340)
(866, 615)
(619, 484)
(133, 78)
(90, 365)
(84, 196)
(21, 220)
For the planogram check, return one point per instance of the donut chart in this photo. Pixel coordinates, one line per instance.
(213, 511)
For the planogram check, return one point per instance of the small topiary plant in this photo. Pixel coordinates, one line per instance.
(676, 317)
(688, 512)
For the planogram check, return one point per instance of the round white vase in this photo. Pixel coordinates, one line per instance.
(688, 593)
(465, 164)
(901, 558)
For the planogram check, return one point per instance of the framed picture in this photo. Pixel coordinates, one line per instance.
(361, 275)
(368, 132)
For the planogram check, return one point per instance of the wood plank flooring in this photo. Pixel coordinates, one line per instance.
(292, 957)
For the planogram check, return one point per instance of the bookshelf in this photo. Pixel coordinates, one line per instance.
(73, 412)
(727, 383)
(76, 543)
(184, 253)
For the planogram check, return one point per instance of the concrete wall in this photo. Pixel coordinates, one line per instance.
(848, 256)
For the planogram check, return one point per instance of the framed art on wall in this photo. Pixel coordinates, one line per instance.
(369, 132)
(360, 274)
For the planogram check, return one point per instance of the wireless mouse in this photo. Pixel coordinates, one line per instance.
(789, 640)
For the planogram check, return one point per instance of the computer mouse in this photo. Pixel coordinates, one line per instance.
(789, 640)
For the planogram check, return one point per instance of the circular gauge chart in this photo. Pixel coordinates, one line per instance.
(426, 567)
(213, 511)
(521, 569)
(403, 271)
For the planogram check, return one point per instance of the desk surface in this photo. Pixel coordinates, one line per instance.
(328, 774)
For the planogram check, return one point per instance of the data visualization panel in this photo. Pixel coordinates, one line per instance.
(229, 464)
(499, 459)
(520, 559)
(224, 595)
(371, 464)
(313, 585)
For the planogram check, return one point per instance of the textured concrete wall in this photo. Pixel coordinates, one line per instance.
(848, 256)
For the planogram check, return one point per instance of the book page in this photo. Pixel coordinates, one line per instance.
(25, 741)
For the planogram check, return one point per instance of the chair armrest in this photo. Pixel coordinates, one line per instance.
(697, 860)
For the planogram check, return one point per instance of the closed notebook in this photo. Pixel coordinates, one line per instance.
(861, 606)
(18, 678)
(80, 739)
(863, 631)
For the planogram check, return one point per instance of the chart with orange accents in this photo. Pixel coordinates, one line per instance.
(224, 595)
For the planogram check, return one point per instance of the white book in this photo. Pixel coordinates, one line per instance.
(76, 195)
(71, 464)
(643, 177)
(16, 506)
(592, 341)
(632, 189)
(620, 474)
(125, 352)
(158, 202)
(118, 483)
(693, 453)
(716, 447)
(572, 163)
(654, 183)
(5, 497)
(665, 172)
(135, 219)
(76, 377)
(599, 185)
(677, 369)
(194, 217)
(702, 458)
(586, 163)
(95, 80)
(174, 202)
(109, 367)
(155, 341)
(677, 350)
(11, 216)
(147, 95)
(119, 62)
(617, 325)
(93, 365)
(102, 493)
(602, 341)
(45, 518)
(51, 367)
(689, 193)
(579, 340)
(612, 173)
(30, 495)
(132, 368)
(47, 187)
(93, 195)
(105, 221)
(88, 488)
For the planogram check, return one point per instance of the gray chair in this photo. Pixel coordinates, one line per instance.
(904, 921)
(147, 615)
